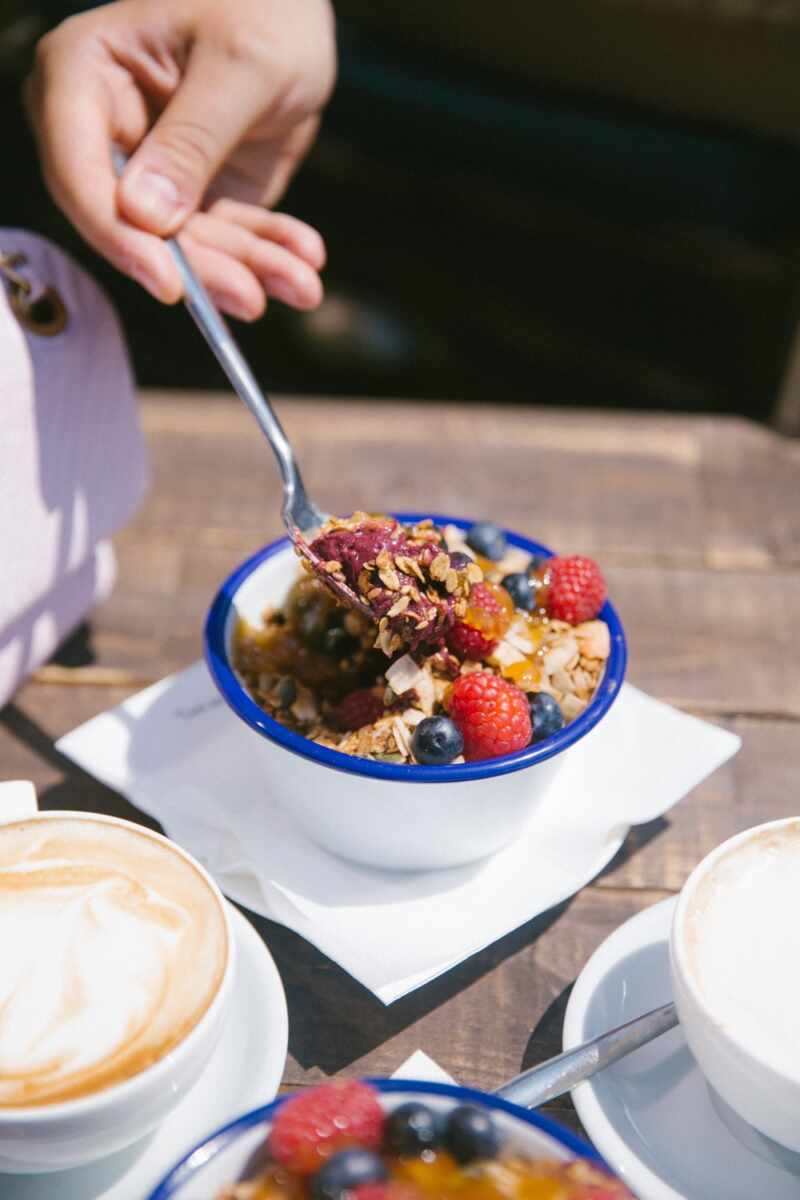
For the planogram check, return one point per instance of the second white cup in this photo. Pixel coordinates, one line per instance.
(735, 962)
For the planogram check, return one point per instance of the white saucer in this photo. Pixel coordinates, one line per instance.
(245, 1072)
(651, 1115)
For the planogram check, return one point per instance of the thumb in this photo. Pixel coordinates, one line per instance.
(214, 106)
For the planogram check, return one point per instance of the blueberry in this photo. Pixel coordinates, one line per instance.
(470, 1133)
(436, 741)
(410, 1129)
(535, 564)
(459, 561)
(286, 692)
(312, 622)
(337, 643)
(347, 1170)
(520, 590)
(487, 540)
(546, 717)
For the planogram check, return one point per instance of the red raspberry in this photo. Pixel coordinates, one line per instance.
(576, 589)
(492, 714)
(372, 1191)
(309, 1128)
(357, 709)
(393, 1190)
(488, 617)
(467, 642)
(490, 609)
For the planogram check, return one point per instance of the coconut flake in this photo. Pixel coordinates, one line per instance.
(505, 654)
(593, 639)
(404, 675)
(401, 736)
(560, 654)
(426, 691)
(304, 708)
(518, 637)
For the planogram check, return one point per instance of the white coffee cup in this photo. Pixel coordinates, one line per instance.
(735, 964)
(53, 1135)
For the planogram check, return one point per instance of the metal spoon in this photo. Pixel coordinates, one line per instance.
(300, 515)
(560, 1074)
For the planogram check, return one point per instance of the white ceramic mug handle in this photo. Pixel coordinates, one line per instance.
(17, 800)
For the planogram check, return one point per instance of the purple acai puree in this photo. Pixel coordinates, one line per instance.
(425, 620)
(355, 547)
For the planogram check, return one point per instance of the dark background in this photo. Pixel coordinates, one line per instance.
(599, 205)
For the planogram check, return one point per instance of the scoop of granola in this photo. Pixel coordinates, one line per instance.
(414, 587)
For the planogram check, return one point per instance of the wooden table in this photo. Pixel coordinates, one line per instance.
(696, 522)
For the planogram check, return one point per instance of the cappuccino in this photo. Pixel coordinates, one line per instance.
(112, 947)
(742, 942)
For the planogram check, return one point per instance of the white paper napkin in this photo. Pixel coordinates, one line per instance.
(421, 1066)
(179, 754)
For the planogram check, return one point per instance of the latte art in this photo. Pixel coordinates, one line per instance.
(112, 947)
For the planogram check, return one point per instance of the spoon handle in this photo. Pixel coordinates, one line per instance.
(561, 1074)
(214, 329)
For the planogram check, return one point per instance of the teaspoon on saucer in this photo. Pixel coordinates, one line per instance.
(560, 1074)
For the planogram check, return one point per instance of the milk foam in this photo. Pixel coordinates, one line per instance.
(743, 944)
(112, 947)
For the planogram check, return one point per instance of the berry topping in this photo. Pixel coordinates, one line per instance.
(487, 540)
(411, 1128)
(546, 717)
(347, 1170)
(459, 561)
(470, 1133)
(466, 642)
(576, 589)
(357, 709)
(491, 713)
(487, 619)
(489, 609)
(520, 590)
(393, 1190)
(436, 741)
(311, 1127)
(286, 692)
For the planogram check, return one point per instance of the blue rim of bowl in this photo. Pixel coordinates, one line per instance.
(217, 1142)
(237, 697)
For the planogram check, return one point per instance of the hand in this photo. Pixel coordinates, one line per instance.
(217, 102)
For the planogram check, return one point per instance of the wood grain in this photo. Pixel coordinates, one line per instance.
(696, 521)
(618, 486)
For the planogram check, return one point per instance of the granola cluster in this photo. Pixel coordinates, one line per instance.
(370, 685)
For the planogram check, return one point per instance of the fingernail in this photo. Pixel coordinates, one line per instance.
(284, 291)
(144, 279)
(156, 198)
(232, 306)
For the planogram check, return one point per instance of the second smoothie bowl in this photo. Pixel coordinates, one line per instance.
(429, 749)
